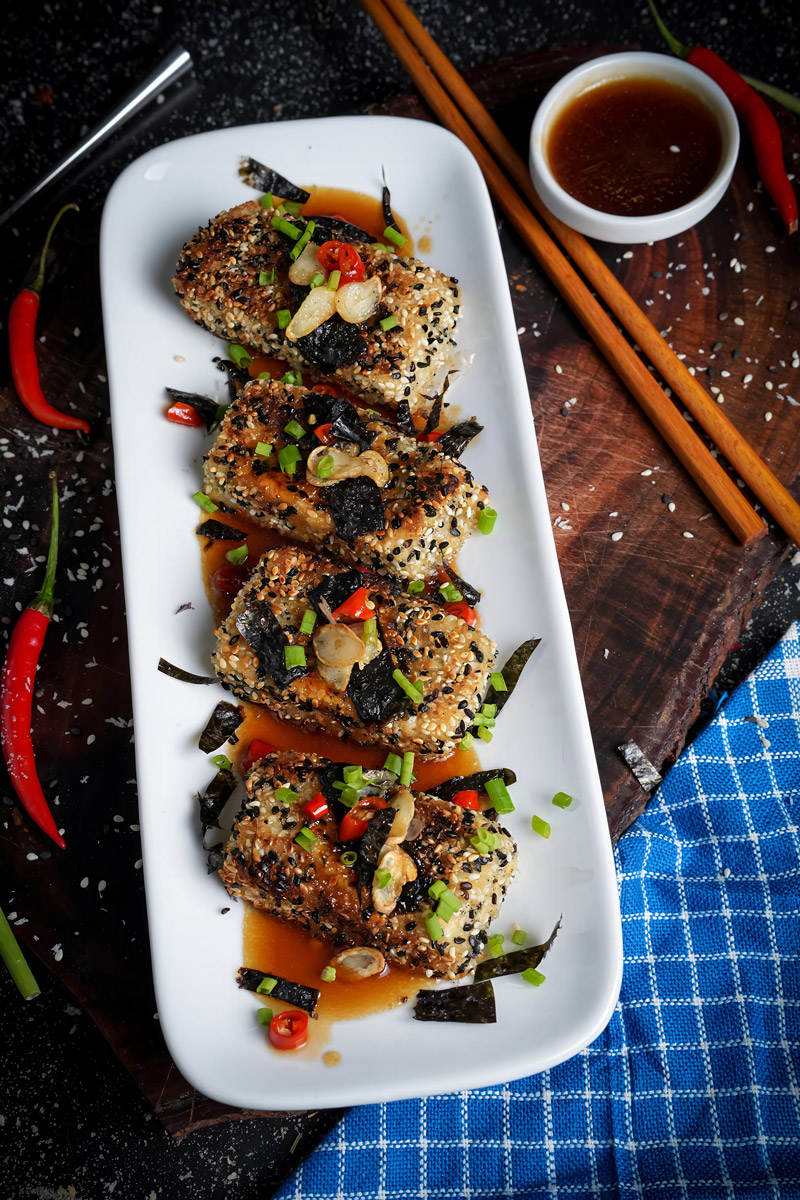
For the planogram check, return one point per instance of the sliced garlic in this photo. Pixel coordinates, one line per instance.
(402, 869)
(306, 266)
(337, 646)
(358, 962)
(357, 302)
(347, 466)
(336, 677)
(318, 306)
(403, 803)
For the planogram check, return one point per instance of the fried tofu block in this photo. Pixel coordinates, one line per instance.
(218, 281)
(266, 864)
(425, 510)
(434, 651)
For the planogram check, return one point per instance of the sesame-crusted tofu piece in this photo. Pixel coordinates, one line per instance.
(445, 664)
(218, 283)
(311, 886)
(426, 509)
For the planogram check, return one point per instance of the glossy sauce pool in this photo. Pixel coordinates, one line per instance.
(634, 147)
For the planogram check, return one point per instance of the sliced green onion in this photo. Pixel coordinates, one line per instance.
(267, 986)
(285, 227)
(393, 236)
(539, 826)
(293, 377)
(283, 316)
(369, 633)
(239, 355)
(467, 742)
(316, 280)
(498, 683)
(267, 200)
(205, 502)
(288, 458)
(354, 775)
(300, 246)
(497, 792)
(293, 207)
(407, 768)
(306, 837)
(295, 430)
(450, 593)
(222, 761)
(333, 280)
(265, 277)
(349, 797)
(383, 877)
(534, 977)
(325, 466)
(434, 927)
(487, 519)
(489, 710)
(239, 555)
(519, 937)
(562, 800)
(295, 656)
(380, 246)
(437, 887)
(486, 722)
(328, 974)
(264, 449)
(495, 945)
(285, 795)
(264, 1015)
(349, 858)
(309, 621)
(484, 734)
(450, 899)
(389, 322)
(264, 375)
(416, 586)
(220, 413)
(411, 689)
(394, 763)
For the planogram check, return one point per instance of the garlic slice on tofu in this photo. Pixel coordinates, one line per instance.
(336, 677)
(318, 306)
(304, 269)
(337, 645)
(402, 869)
(347, 466)
(358, 962)
(403, 804)
(357, 302)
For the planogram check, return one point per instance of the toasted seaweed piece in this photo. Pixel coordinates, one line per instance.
(333, 344)
(356, 506)
(640, 764)
(298, 994)
(218, 531)
(334, 229)
(341, 415)
(374, 692)
(267, 180)
(264, 634)
(238, 377)
(472, 1004)
(204, 406)
(215, 797)
(517, 961)
(434, 413)
(386, 201)
(223, 722)
(370, 846)
(215, 858)
(471, 783)
(511, 672)
(455, 440)
(404, 422)
(174, 672)
(337, 588)
(470, 593)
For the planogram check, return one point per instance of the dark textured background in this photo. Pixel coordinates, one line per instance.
(73, 1124)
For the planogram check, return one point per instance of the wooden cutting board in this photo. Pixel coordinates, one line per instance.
(654, 610)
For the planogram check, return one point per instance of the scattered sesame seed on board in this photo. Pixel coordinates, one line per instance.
(615, 537)
(687, 534)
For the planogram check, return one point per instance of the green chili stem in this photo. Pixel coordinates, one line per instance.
(38, 282)
(677, 48)
(44, 601)
(15, 961)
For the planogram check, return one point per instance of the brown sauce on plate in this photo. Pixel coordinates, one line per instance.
(634, 147)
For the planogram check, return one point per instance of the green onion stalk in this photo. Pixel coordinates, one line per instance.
(15, 961)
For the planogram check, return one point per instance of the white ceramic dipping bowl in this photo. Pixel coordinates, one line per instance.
(614, 227)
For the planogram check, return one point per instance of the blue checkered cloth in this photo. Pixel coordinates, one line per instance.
(692, 1090)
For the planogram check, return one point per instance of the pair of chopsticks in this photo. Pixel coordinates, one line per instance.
(460, 110)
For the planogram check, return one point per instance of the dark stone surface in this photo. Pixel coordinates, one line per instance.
(74, 1124)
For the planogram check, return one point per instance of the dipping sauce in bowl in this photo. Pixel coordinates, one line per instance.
(634, 146)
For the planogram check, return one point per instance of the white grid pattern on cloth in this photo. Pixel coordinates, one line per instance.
(692, 1090)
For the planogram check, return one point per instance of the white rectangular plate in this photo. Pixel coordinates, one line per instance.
(153, 208)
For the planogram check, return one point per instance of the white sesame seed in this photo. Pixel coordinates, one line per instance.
(687, 534)
(769, 249)
(738, 321)
(615, 537)
(767, 416)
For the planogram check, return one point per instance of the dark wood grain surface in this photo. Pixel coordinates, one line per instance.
(654, 611)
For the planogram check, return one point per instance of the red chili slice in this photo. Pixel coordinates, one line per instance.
(289, 1030)
(316, 808)
(183, 414)
(350, 264)
(229, 578)
(467, 800)
(256, 750)
(463, 611)
(353, 827)
(328, 255)
(355, 607)
(328, 389)
(430, 437)
(323, 432)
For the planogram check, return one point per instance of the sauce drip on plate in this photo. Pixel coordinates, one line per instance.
(634, 147)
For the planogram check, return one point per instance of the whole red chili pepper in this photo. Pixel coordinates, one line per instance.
(762, 126)
(16, 692)
(22, 346)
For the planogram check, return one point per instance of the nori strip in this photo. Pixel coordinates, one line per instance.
(268, 180)
(215, 797)
(238, 378)
(640, 764)
(404, 422)
(434, 414)
(333, 344)
(455, 440)
(337, 588)
(511, 672)
(472, 1004)
(471, 783)
(388, 215)
(343, 418)
(333, 229)
(356, 506)
(287, 990)
(470, 593)
(517, 961)
(204, 406)
(174, 672)
(374, 692)
(223, 722)
(215, 858)
(370, 846)
(264, 634)
(218, 531)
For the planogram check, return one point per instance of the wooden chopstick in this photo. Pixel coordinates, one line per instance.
(737, 450)
(717, 485)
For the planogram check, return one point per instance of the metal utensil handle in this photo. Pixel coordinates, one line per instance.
(170, 68)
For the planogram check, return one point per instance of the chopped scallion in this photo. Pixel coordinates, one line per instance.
(222, 762)
(539, 826)
(264, 449)
(495, 945)
(534, 977)
(562, 800)
(264, 375)
(389, 322)
(295, 430)
(306, 837)
(285, 795)
(467, 742)
(412, 690)
(436, 889)
(288, 458)
(267, 986)
(295, 656)
(484, 734)
(205, 502)
(489, 710)
(309, 621)
(498, 683)
(450, 593)
(485, 722)
(293, 207)
(286, 227)
(283, 316)
(239, 355)
(267, 200)
(416, 587)
(519, 937)
(349, 797)
(349, 858)
(316, 280)
(434, 927)
(264, 1015)
(497, 792)
(487, 519)
(394, 763)
(383, 877)
(328, 974)
(300, 246)
(238, 555)
(325, 466)
(407, 769)
(354, 775)
(333, 280)
(264, 279)
(293, 377)
(392, 235)
(370, 631)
